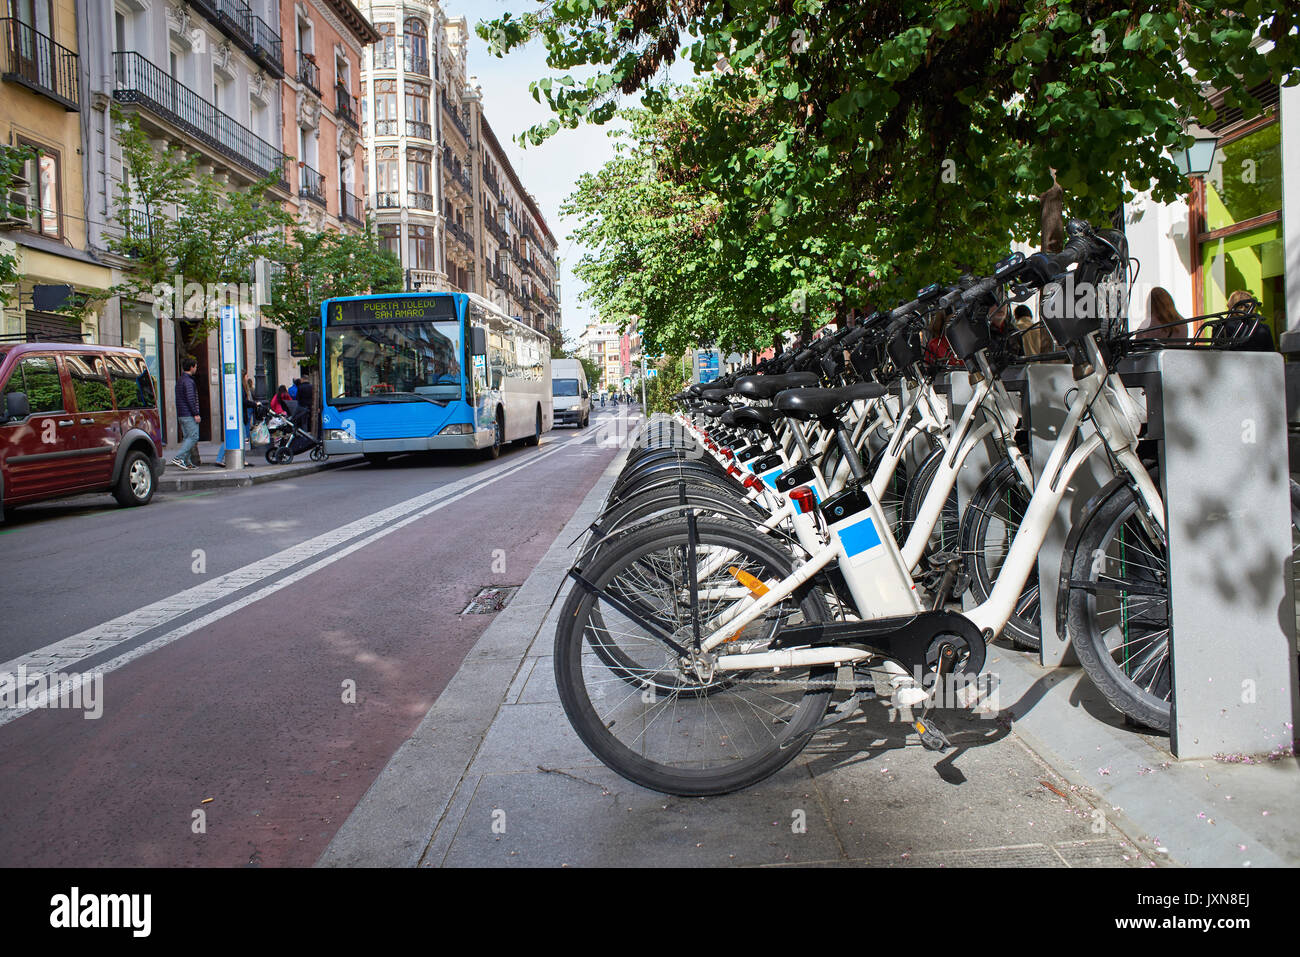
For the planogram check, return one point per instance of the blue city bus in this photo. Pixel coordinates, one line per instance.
(409, 372)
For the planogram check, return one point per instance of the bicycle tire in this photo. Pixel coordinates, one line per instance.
(577, 673)
(1000, 495)
(1115, 546)
(947, 531)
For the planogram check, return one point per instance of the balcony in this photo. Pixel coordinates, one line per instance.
(350, 207)
(385, 127)
(311, 184)
(493, 186)
(423, 131)
(35, 61)
(415, 63)
(139, 81)
(308, 73)
(423, 279)
(254, 35)
(459, 232)
(345, 107)
(384, 59)
(138, 233)
(389, 200)
(419, 200)
(497, 232)
(454, 114)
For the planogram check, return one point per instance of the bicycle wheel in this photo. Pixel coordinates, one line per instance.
(987, 530)
(1119, 609)
(947, 530)
(636, 704)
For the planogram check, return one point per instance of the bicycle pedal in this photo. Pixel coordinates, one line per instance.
(943, 559)
(932, 739)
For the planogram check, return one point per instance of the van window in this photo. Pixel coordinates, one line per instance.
(564, 387)
(38, 377)
(89, 383)
(132, 384)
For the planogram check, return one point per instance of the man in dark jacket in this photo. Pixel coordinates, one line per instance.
(187, 411)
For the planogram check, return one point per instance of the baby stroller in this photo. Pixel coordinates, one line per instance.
(289, 438)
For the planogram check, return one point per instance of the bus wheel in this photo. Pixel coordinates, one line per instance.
(493, 451)
(536, 437)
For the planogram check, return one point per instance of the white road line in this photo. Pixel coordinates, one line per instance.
(67, 653)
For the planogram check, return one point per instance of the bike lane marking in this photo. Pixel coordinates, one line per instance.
(66, 654)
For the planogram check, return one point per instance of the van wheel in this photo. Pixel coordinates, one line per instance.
(536, 437)
(135, 485)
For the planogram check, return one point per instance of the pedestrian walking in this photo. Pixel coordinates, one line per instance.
(187, 413)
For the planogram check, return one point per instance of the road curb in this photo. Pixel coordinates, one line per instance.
(176, 480)
(396, 819)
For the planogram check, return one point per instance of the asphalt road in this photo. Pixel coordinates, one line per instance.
(263, 651)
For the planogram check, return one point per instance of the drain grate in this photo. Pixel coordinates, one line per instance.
(490, 599)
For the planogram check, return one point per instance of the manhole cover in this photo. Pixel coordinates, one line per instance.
(490, 599)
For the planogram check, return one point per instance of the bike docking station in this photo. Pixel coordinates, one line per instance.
(1217, 426)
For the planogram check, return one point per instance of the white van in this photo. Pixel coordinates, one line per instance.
(571, 399)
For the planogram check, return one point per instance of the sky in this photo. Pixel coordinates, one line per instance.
(548, 171)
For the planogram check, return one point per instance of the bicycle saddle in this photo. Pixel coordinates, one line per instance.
(749, 417)
(766, 386)
(822, 403)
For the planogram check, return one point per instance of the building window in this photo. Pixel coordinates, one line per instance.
(421, 247)
(43, 196)
(417, 112)
(390, 238)
(386, 108)
(419, 178)
(416, 44)
(1240, 239)
(387, 176)
(386, 48)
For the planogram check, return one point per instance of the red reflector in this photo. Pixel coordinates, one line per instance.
(727, 453)
(732, 470)
(804, 497)
(751, 482)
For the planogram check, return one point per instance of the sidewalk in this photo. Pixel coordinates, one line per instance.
(255, 472)
(495, 776)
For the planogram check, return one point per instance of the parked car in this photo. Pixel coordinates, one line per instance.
(75, 419)
(569, 396)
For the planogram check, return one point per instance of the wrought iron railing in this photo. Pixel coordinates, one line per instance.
(35, 61)
(385, 127)
(345, 105)
(459, 232)
(350, 207)
(140, 81)
(308, 73)
(311, 184)
(454, 113)
(422, 131)
(388, 200)
(414, 63)
(236, 20)
(419, 200)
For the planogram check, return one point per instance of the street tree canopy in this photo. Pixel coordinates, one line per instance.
(853, 151)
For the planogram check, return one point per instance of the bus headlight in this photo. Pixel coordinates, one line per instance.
(460, 428)
(339, 435)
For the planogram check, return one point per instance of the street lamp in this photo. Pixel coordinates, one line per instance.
(1197, 158)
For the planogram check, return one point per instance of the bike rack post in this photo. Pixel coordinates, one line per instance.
(1226, 483)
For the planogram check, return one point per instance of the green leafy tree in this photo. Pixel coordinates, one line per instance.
(181, 226)
(859, 150)
(318, 266)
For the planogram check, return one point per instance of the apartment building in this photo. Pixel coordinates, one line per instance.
(446, 199)
(41, 111)
(320, 110)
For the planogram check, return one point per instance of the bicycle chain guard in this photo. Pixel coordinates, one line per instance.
(909, 641)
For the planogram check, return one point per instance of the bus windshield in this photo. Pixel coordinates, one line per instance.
(393, 362)
(564, 387)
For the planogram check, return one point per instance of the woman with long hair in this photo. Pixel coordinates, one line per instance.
(1163, 319)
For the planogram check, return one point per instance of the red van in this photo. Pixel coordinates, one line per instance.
(76, 419)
